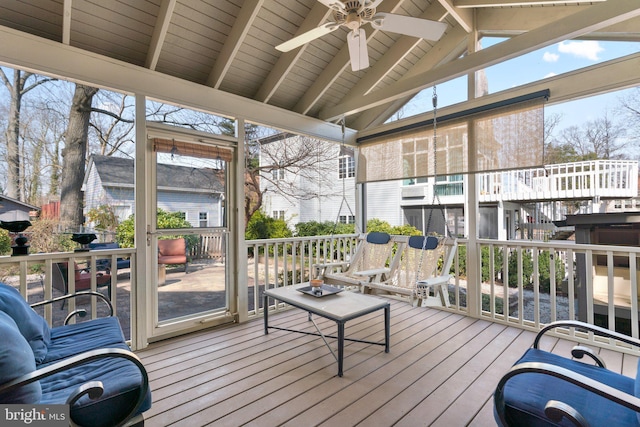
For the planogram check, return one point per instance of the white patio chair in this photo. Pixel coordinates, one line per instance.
(373, 259)
(422, 272)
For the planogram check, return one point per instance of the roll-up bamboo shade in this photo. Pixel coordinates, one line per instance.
(505, 138)
(202, 151)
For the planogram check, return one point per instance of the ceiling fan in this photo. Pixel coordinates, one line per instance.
(353, 14)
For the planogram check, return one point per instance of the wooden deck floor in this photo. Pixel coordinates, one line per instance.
(441, 371)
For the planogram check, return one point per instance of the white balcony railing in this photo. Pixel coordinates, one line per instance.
(544, 281)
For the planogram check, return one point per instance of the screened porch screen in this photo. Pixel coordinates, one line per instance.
(507, 138)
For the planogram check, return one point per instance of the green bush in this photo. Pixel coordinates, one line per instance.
(165, 220)
(5, 242)
(262, 226)
(327, 228)
(544, 271)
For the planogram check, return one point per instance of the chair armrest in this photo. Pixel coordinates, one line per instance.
(587, 327)
(596, 387)
(321, 269)
(80, 312)
(331, 264)
(94, 387)
(373, 272)
(438, 280)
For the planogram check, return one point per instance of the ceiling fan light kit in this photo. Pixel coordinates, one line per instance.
(352, 15)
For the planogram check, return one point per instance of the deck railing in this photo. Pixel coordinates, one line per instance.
(545, 281)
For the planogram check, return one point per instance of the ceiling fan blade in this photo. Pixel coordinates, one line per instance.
(407, 25)
(357, 42)
(308, 36)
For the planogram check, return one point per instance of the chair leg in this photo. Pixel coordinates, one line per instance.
(443, 290)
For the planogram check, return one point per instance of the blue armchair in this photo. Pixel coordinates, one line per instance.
(86, 365)
(546, 389)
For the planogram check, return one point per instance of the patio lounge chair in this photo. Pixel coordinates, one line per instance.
(373, 258)
(173, 251)
(422, 272)
(543, 388)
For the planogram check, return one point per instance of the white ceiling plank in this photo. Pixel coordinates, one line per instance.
(159, 33)
(588, 20)
(318, 14)
(32, 53)
(66, 21)
(582, 83)
(464, 17)
(514, 3)
(241, 26)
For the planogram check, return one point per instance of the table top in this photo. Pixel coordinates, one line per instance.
(341, 306)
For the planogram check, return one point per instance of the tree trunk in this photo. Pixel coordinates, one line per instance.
(74, 155)
(13, 135)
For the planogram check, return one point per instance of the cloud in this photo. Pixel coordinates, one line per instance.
(583, 49)
(550, 57)
(551, 74)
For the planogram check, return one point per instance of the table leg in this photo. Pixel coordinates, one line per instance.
(340, 347)
(265, 307)
(387, 327)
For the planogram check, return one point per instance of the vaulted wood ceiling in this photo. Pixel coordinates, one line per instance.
(228, 46)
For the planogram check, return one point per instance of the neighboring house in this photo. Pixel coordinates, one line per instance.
(514, 204)
(195, 192)
(314, 192)
(9, 205)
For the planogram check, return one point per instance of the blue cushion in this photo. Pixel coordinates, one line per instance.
(16, 359)
(527, 394)
(418, 242)
(70, 340)
(32, 326)
(121, 380)
(378, 238)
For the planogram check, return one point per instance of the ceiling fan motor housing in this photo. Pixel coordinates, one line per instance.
(353, 14)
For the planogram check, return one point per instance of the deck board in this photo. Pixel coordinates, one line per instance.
(442, 370)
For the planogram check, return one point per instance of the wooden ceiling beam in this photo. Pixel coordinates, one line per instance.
(232, 44)
(159, 33)
(318, 14)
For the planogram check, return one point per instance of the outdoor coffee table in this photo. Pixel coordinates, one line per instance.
(339, 307)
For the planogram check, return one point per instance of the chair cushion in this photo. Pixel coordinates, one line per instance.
(120, 378)
(378, 238)
(16, 359)
(527, 394)
(418, 242)
(32, 326)
(73, 339)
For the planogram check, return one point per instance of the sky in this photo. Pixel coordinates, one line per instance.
(553, 60)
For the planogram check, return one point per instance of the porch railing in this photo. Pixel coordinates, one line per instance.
(521, 283)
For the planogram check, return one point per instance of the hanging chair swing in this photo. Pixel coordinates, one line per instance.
(443, 247)
(421, 272)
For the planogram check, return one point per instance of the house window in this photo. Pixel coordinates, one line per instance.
(347, 219)
(346, 167)
(204, 219)
(182, 215)
(278, 215)
(278, 174)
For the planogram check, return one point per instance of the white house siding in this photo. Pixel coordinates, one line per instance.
(191, 204)
(94, 194)
(383, 201)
